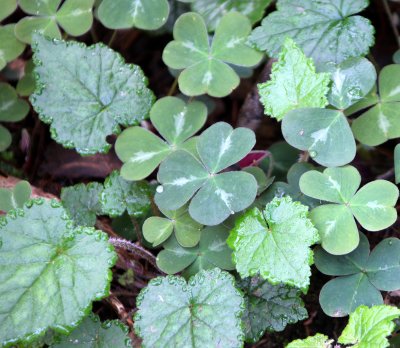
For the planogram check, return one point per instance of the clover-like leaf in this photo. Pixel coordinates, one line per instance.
(92, 333)
(361, 275)
(316, 341)
(86, 92)
(82, 202)
(212, 251)
(190, 312)
(206, 69)
(325, 133)
(212, 11)
(269, 307)
(372, 206)
(215, 196)
(120, 195)
(5, 138)
(16, 197)
(381, 122)
(157, 230)
(142, 14)
(275, 243)
(351, 81)
(142, 151)
(326, 30)
(285, 91)
(49, 271)
(10, 47)
(369, 327)
(12, 108)
(7, 8)
(74, 16)
(27, 83)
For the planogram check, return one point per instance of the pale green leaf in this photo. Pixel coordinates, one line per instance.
(285, 91)
(7, 7)
(27, 83)
(86, 92)
(317, 341)
(12, 108)
(5, 138)
(10, 47)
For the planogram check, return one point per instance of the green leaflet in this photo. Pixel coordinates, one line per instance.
(372, 206)
(86, 92)
(285, 91)
(92, 333)
(142, 151)
(16, 197)
(82, 202)
(10, 47)
(49, 273)
(381, 122)
(27, 84)
(275, 243)
(325, 30)
(269, 307)
(317, 341)
(210, 252)
(369, 327)
(190, 312)
(120, 195)
(361, 275)
(7, 8)
(205, 66)
(142, 14)
(215, 195)
(74, 16)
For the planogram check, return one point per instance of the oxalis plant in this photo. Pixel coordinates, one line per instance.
(203, 230)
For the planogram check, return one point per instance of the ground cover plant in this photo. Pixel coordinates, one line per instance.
(179, 173)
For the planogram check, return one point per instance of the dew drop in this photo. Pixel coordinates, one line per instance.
(160, 189)
(313, 154)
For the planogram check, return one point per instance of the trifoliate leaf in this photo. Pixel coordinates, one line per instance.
(285, 91)
(369, 327)
(16, 197)
(190, 313)
(351, 81)
(157, 230)
(142, 14)
(50, 271)
(269, 307)
(82, 202)
(10, 47)
(7, 8)
(326, 30)
(205, 66)
(142, 151)
(120, 195)
(215, 195)
(27, 84)
(74, 16)
(211, 252)
(317, 341)
(372, 206)
(361, 276)
(92, 333)
(324, 133)
(86, 92)
(275, 243)
(212, 11)
(381, 122)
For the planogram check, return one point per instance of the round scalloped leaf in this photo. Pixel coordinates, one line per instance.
(325, 30)
(120, 195)
(49, 271)
(92, 333)
(275, 243)
(16, 197)
(351, 81)
(325, 133)
(86, 92)
(7, 8)
(316, 341)
(74, 16)
(12, 108)
(206, 69)
(5, 138)
(82, 202)
(142, 14)
(369, 327)
(269, 307)
(10, 47)
(191, 312)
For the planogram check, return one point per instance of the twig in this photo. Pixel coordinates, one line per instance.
(393, 25)
(120, 309)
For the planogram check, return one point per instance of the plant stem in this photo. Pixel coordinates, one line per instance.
(112, 38)
(173, 87)
(393, 25)
(93, 34)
